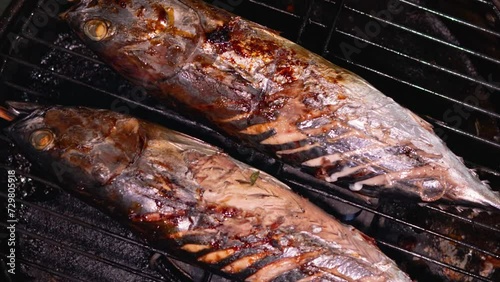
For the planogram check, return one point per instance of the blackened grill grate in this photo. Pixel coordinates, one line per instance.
(45, 63)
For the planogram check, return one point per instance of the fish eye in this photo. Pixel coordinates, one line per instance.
(96, 29)
(42, 139)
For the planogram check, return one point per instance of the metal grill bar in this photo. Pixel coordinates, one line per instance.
(80, 222)
(332, 28)
(45, 269)
(489, 113)
(395, 219)
(437, 262)
(262, 4)
(454, 46)
(33, 177)
(62, 49)
(83, 253)
(451, 18)
(307, 17)
(484, 83)
(30, 17)
(449, 266)
(88, 225)
(472, 136)
(470, 221)
(487, 2)
(21, 88)
(58, 75)
(207, 277)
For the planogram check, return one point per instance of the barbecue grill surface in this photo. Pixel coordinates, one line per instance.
(438, 58)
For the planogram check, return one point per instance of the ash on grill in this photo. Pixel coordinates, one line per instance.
(438, 58)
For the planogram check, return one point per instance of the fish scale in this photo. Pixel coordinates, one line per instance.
(232, 69)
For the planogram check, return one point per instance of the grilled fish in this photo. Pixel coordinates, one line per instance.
(278, 97)
(192, 199)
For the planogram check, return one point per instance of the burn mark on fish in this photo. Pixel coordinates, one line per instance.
(294, 144)
(162, 21)
(244, 262)
(287, 72)
(269, 107)
(254, 47)
(226, 211)
(163, 16)
(220, 35)
(416, 156)
(277, 223)
(140, 12)
(369, 239)
(259, 264)
(302, 154)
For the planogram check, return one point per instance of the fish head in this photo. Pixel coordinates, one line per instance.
(78, 145)
(150, 36)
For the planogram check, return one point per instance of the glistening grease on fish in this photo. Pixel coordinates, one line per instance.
(278, 97)
(191, 199)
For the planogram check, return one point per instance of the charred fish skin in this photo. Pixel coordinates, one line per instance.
(278, 97)
(192, 199)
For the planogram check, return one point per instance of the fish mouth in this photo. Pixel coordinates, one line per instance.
(15, 110)
(7, 114)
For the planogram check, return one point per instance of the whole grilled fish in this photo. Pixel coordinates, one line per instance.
(277, 96)
(190, 198)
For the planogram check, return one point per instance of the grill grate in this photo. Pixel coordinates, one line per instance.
(38, 70)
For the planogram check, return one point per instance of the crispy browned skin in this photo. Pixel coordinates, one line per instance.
(192, 200)
(277, 96)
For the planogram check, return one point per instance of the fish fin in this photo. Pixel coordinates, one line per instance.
(477, 211)
(473, 171)
(445, 207)
(460, 209)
